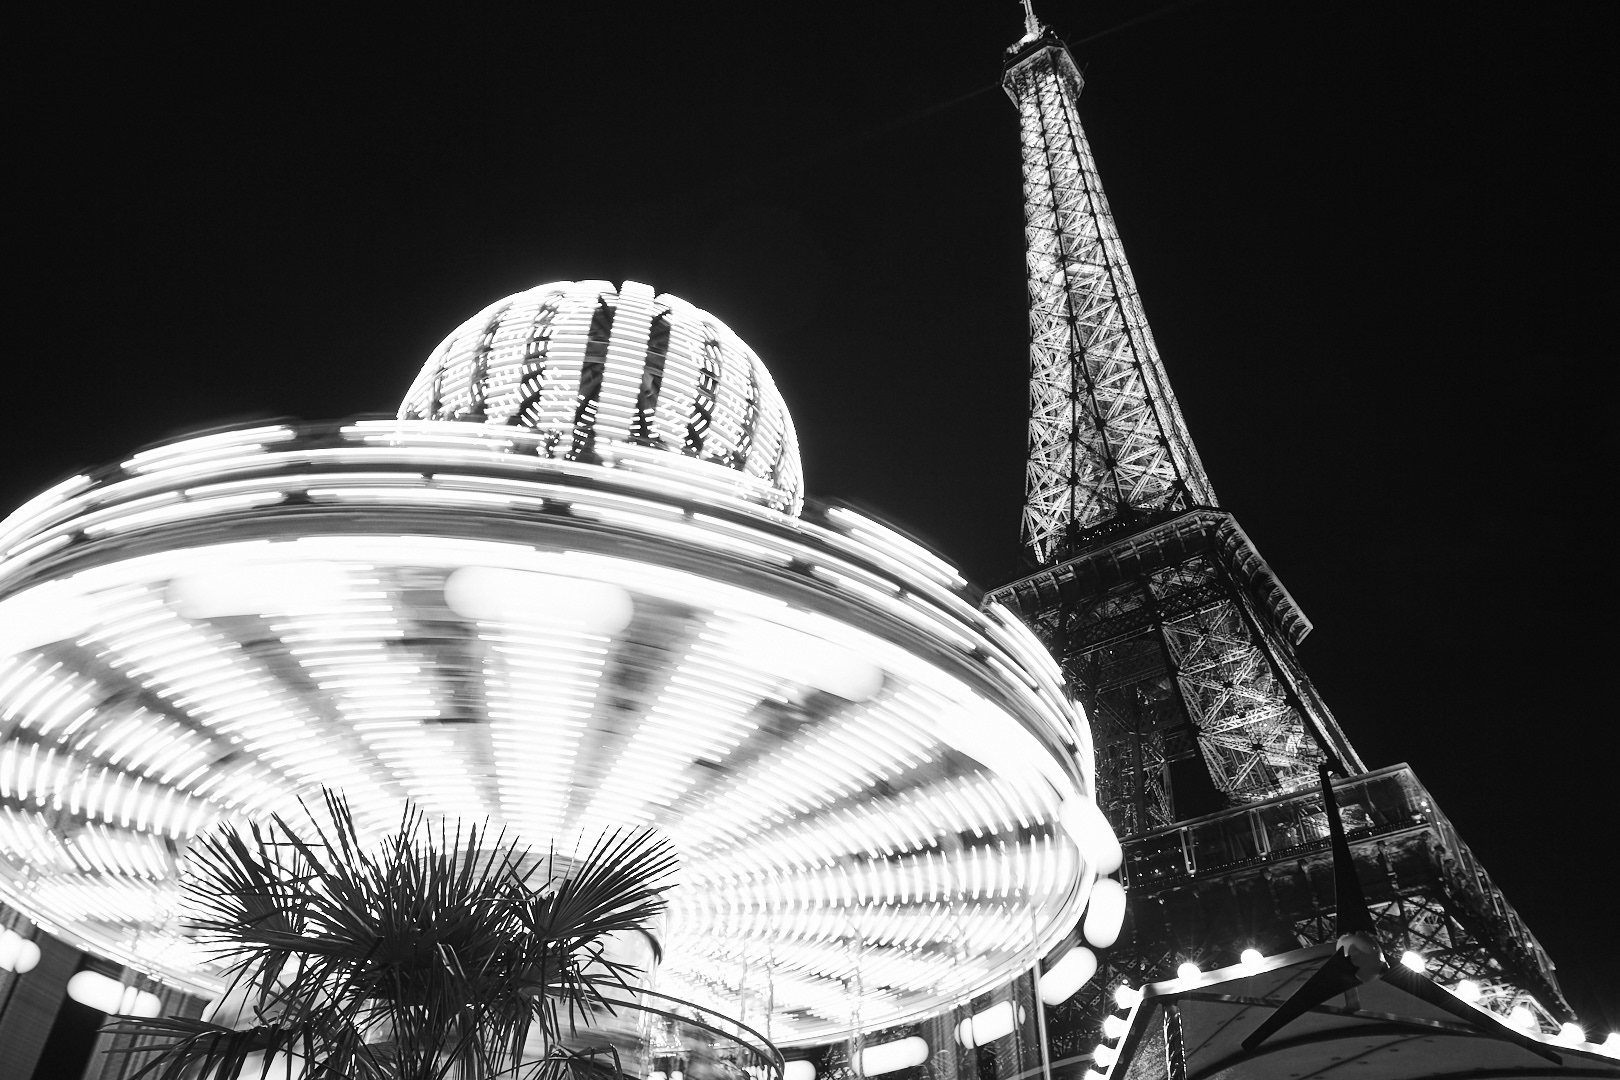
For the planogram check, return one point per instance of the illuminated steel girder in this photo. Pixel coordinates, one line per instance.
(1258, 876)
(1181, 649)
(1106, 437)
(1179, 640)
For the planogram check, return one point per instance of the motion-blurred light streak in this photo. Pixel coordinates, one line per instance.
(563, 599)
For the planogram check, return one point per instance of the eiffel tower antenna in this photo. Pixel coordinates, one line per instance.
(1032, 25)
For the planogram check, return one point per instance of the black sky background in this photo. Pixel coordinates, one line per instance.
(1375, 241)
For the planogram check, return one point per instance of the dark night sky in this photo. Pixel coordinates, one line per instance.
(1375, 242)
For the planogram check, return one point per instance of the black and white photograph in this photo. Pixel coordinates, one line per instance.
(925, 541)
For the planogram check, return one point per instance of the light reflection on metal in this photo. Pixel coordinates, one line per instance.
(1106, 437)
(840, 742)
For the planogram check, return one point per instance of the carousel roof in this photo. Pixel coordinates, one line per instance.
(873, 781)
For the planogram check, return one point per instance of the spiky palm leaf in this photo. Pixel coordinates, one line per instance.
(431, 956)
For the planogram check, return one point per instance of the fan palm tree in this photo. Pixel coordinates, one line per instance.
(434, 956)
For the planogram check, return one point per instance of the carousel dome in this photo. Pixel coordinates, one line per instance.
(574, 587)
(592, 369)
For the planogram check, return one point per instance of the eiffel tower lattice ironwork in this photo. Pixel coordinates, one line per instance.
(1179, 641)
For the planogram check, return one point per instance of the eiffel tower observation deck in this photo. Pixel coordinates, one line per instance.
(1180, 642)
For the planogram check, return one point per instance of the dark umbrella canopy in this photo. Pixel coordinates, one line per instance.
(1383, 1032)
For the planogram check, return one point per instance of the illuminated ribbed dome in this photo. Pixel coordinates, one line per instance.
(592, 368)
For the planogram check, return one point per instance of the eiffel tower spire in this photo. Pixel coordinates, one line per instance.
(1176, 633)
(1106, 437)
(1179, 640)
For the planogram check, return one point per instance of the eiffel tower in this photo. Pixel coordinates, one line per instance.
(1180, 642)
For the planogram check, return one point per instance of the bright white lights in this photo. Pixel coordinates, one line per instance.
(1611, 1044)
(808, 661)
(54, 611)
(813, 708)
(1469, 991)
(673, 380)
(1104, 1055)
(493, 594)
(111, 996)
(280, 1067)
(17, 953)
(1414, 961)
(799, 1069)
(1127, 997)
(1091, 831)
(1077, 272)
(1187, 970)
(988, 1025)
(892, 1056)
(1571, 1032)
(1251, 957)
(269, 588)
(1068, 975)
(1521, 1017)
(1106, 912)
(1114, 1025)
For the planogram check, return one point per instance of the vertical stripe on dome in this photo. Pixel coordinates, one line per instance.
(590, 382)
(633, 312)
(750, 421)
(730, 404)
(776, 464)
(702, 414)
(479, 368)
(532, 375)
(652, 381)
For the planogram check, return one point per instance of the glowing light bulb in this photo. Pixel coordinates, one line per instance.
(1415, 961)
(1113, 1026)
(1188, 970)
(17, 953)
(1126, 997)
(892, 1056)
(987, 1026)
(1468, 990)
(1251, 957)
(1571, 1032)
(1611, 1045)
(1521, 1017)
(1106, 913)
(1068, 975)
(1104, 1055)
(110, 996)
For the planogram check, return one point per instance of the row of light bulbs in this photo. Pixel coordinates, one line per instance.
(1126, 998)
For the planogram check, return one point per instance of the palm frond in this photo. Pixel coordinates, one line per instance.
(434, 953)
